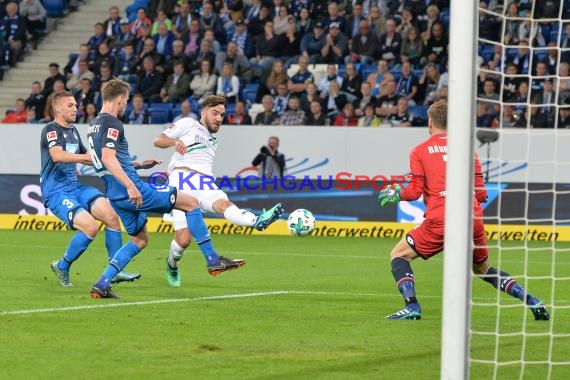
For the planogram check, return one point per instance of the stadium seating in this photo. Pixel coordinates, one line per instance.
(249, 92)
(159, 115)
(55, 8)
(419, 111)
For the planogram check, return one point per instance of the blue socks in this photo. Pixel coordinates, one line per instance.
(117, 263)
(113, 241)
(404, 276)
(503, 281)
(78, 244)
(200, 234)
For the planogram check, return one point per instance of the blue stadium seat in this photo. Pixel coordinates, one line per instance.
(397, 74)
(444, 16)
(418, 111)
(230, 108)
(366, 70)
(159, 115)
(163, 106)
(55, 8)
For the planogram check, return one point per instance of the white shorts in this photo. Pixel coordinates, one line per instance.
(200, 187)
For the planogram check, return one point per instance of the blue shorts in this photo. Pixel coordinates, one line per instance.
(68, 204)
(133, 218)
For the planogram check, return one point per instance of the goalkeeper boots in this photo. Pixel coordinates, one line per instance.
(411, 311)
(538, 308)
(97, 292)
(224, 264)
(172, 275)
(125, 277)
(62, 277)
(267, 217)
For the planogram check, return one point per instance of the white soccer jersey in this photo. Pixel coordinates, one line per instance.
(200, 146)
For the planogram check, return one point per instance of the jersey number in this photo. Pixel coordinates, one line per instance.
(96, 161)
(67, 203)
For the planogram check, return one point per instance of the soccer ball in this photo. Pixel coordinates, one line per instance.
(301, 222)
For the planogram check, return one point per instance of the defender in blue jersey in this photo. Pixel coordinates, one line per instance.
(130, 196)
(79, 206)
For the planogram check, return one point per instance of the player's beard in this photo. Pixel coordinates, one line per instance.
(212, 127)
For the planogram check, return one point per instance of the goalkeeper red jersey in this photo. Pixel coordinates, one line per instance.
(427, 177)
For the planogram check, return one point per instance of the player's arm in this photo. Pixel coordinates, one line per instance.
(112, 164)
(60, 156)
(146, 164)
(417, 179)
(480, 191)
(164, 142)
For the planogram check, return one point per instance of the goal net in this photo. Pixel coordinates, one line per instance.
(523, 105)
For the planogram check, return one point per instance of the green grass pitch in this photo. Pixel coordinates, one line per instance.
(302, 308)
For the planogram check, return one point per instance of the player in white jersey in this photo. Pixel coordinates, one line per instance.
(191, 171)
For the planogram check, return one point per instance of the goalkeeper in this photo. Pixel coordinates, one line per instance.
(427, 178)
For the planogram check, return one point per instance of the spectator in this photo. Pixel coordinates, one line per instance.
(239, 62)
(99, 37)
(252, 11)
(139, 114)
(58, 86)
(547, 100)
(510, 83)
(74, 83)
(334, 16)
(269, 161)
(365, 100)
(176, 87)
(316, 115)
(209, 36)
(294, 115)
(256, 26)
(353, 23)
(163, 41)
(204, 83)
(90, 114)
(103, 57)
(379, 78)
(150, 51)
(181, 22)
(179, 56)
(239, 116)
(297, 84)
(538, 119)
(347, 117)
(306, 99)
(387, 104)
(407, 21)
(335, 47)
(351, 83)
(564, 117)
(369, 119)
(277, 76)
(436, 46)
(428, 84)
(105, 75)
(522, 96)
(537, 83)
(112, 25)
(31, 116)
(304, 23)
(36, 100)
(150, 81)
(334, 101)
(363, 45)
(512, 22)
(119, 40)
(228, 84)
(313, 43)
(390, 44)
(126, 64)
(551, 59)
(332, 75)
(192, 38)
(161, 19)
(427, 22)
(563, 82)
(377, 21)
(34, 14)
(290, 44)
(266, 50)
(402, 117)
(491, 95)
(489, 27)
(212, 21)
(18, 114)
(522, 58)
(242, 38)
(281, 20)
(84, 96)
(281, 100)
(54, 75)
(509, 117)
(186, 111)
(407, 85)
(168, 7)
(267, 116)
(13, 30)
(484, 120)
(72, 66)
(140, 23)
(412, 48)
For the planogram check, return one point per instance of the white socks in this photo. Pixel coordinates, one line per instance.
(176, 253)
(239, 216)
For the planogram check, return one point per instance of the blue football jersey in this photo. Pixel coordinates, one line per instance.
(106, 131)
(58, 177)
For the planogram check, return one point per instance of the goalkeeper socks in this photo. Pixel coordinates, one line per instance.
(200, 233)
(113, 241)
(405, 280)
(239, 216)
(118, 263)
(78, 244)
(176, 253)
(503, 281)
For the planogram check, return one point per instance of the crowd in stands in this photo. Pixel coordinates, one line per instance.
(313, 62)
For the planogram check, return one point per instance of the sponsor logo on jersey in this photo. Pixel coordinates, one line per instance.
(72, 148)
(52, 135)
(110, 145)
(112, 133)
(52, 144)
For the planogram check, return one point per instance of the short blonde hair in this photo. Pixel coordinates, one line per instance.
(114, 88)
(437, 113)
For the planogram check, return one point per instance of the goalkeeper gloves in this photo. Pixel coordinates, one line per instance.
(389, 195)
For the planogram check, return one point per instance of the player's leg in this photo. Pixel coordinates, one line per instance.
(195, 221)
(101, 209)
(179, 243)
(134, 222)
(68, 209)
(502, 280)
(401, 256)
(246, 218)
